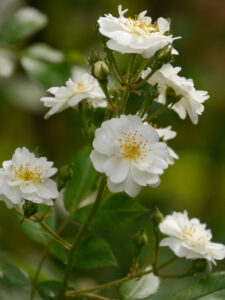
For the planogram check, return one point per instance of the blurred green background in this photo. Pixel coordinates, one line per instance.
(197, 180)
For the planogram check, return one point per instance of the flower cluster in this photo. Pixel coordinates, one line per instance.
(189, 238)
(27, 177)
(131, 152)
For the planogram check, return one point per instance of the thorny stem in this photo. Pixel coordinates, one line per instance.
(78, 237)
(116, 282)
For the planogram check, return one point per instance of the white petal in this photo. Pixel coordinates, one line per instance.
(163, 25)
(48, 189)
(98, 160)
(117, 169)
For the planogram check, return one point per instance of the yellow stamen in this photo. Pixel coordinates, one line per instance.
(132, 147)
(25, 173)
(140, 23)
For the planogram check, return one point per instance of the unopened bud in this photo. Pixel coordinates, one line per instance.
(165, 54)
(161, 57)
(64, 174)
(140, 239)
(157, 218)
(101, 70)
(171, 96)
(29, 209)
(199, 265)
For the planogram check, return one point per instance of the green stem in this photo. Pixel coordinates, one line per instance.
(117, 74)
(78, 237)
(49, 229)
(93, 296)
(34, 283)
(186, 274)
(157, 113)
(115, 282)
(106, 92)
(45, 252)
(156, 252)
(144, 108)
(54, 234)
(126, 92)
(144, 80)
(141, 68)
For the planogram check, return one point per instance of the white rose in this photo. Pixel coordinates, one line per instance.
(189, 238)
(129, 153)
(191, 99)
(139, 35)
(74, 92)
(27, 177)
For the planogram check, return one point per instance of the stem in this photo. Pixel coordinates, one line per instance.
(186, 274)
(78, 237)
(58, 237)
(93, 296)
(126, 92)
(49, 229)
(33, 286)
(45, 252)
(141, 68)
(155, 257)
(116, 71)
(144, 108)
(115, 282)
(157, 112)
(145, 79)
(106, 92)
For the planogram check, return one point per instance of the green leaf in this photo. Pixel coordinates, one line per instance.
(92, 252)
(34, 229)
(210, 287)
(49, 290)
(46, 65)
(13, 275)
(24, 23)
(141, 288)
(84, 178)
(114, 211)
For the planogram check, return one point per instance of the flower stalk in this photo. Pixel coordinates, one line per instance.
(78, 237)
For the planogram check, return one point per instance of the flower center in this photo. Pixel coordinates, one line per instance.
(25, 173)
(132, 146)
(137, 23)
(192, 237)
(80, 86)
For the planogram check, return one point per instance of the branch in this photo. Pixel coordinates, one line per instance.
(78, 237)
(116, 282)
